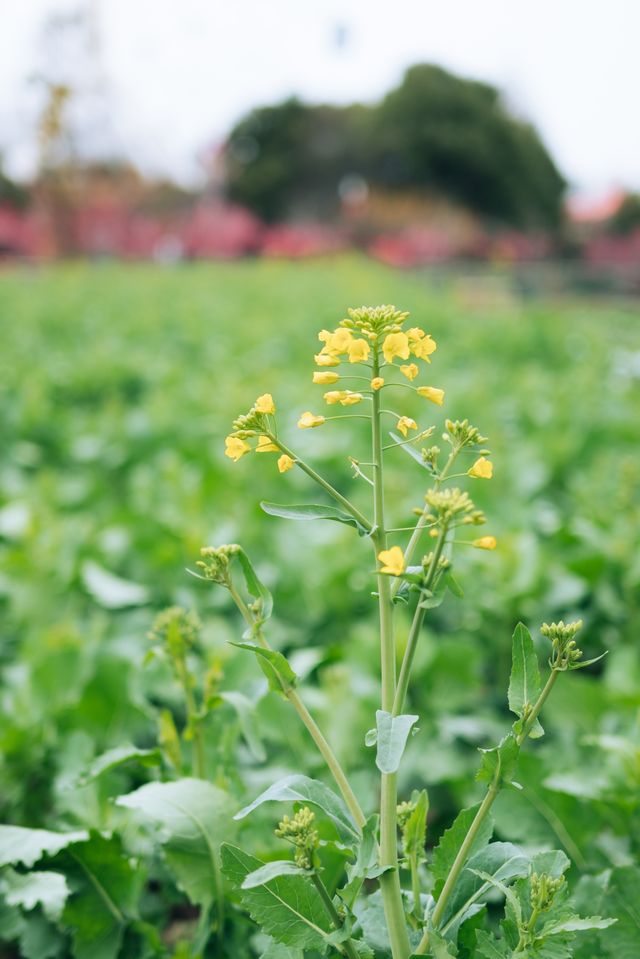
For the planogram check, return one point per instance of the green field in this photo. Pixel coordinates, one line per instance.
(118, 385)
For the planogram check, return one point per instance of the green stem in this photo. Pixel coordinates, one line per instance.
(346, 948)
(194, 723)
(415, 886)
(389, 880)
(338, 497)
(308, 721)
(479, 818)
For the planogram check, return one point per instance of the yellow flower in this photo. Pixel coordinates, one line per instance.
(392, 561)
(265, 404)
(377, 383)
(323, 359)
(358, 351)
(350, 399)
(432, 393)
(265, 445)
(285, 463)
(235, 448)
(485, 542)
(324, 377)
(396, 344)
(324, 336)
(410, 371)
(421, 343)
(338, 342)
(333, 396)
(308, 420)
(405, 423)
(481, 469)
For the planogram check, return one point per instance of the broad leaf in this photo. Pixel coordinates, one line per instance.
(313, 511)
(26, 846)
(288, 908)
(414, 832)
(275, 950)
(255, 586)
(273, 664)
(245, 710)
(411, 450)
(447, 849)
(524, 684)
(47, 889)
(271, 870)
(499, 762)
(392, 735)
(309, 791)
(117, 757)
(193, 817)
(499, 862)
(488, 947)
(622, 901)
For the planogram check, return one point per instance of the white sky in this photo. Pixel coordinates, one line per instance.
(177, 73)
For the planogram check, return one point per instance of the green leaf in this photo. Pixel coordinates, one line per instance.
(40, 939)
(301, 789)
(288, 908)
(393, 732)
(112, 591)
(105, 887)
(622, 901)
(273, 664)
(271, 870)
(275, 950)
(367, 865)
(26, 846)
(117, 757)
(255, 586)
(499, 862)
(410, 450)
(447, 849)
(576, 924)
(47, 889)
(453, 585)
(246, 712)
(414, 832)
(500, 761)
(313, 511)
(524, 684)
(193, 817)
(440, 948)
(551, 862)
(488, 947)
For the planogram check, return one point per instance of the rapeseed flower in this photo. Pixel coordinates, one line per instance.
(325, 377)
(481, 469)
(431, 393)
(265, 404)
(392, 561)
(396, 344)
(358, 351)
(285, 463)
(377, 383)
(309, 420)
(485, 542)
(266, 446)
(405, 423)
(410, 371)
(235, 448)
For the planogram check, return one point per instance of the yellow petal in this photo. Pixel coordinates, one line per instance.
(324, 359)
(485, 542)
(350, 399)
(405, 423)
(265, 404)
(410, 371)
(359, 351)
(481, 469)
(266, 446)
(325, 377)
(395, 344)
(309, 420)
(392, 561)
(235, 448)
(377, 383)
(432, 393)
(333, 396)
(285, 463)
(339, 341)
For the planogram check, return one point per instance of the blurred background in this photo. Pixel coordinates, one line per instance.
(188, 194)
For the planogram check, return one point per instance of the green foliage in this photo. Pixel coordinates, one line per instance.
(310, 792)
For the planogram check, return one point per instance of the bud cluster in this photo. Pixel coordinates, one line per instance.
(177, 629)
(544, 889)
(216, 561)
(461, 433)
(565, 653)
(302, 834)
(374, 321)
(248, 424)
(453, 504)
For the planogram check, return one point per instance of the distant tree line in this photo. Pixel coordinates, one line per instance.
(436, 134)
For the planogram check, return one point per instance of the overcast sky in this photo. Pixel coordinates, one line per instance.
(170, 76)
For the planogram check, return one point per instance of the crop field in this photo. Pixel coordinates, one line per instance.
(118, 385)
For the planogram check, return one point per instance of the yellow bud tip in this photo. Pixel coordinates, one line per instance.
(266, 446)
(433, 533)
(432, 393)
(325, 377)
(377, 383)
(410, 371)
(308, 420)
(405, 423)
(235, 448)
(392, 561)
(485, 542)
(285, 463)
(265, 404)
(481, 469)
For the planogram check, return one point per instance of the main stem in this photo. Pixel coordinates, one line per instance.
(390, 880)
(347, 948)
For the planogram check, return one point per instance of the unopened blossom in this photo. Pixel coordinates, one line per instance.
(265, 404)
(235, 448)
(285, 463)
(481, 469)
(309, 420)
(324, 359)
(358, 351)
(266, 446)
(432, 393)
(325, 377)
(485, 542)
(392, 561)
(396, 344)
(410, 370)
(377, 382)
(405, 423)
